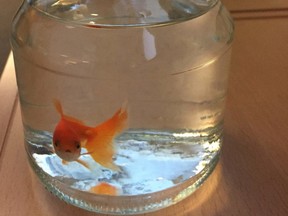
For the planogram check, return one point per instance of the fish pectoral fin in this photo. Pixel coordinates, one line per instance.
(83, 163)
(86, 153)
(64, 162)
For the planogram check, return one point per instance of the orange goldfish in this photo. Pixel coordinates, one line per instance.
(71, 135)
(104, 188)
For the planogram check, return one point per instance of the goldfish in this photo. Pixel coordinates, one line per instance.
(71, 135)
(104, 188)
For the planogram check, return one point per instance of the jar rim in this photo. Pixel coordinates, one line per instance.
(125, 13)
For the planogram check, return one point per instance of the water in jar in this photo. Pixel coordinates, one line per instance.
(169, 74)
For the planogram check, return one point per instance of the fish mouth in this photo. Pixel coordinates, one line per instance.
(68, 155)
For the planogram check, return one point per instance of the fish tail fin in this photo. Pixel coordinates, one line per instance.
(100, 141)
(58, 107)
(119, 120)
(115, 125)
(103, 153)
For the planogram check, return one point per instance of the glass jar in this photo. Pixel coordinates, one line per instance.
(122, 101)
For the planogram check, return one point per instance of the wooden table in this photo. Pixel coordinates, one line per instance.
(252, 175)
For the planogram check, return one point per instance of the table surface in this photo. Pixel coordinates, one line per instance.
(252, 175)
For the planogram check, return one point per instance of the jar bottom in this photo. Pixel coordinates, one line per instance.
(124, 205)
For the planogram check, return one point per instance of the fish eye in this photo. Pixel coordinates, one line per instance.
(77, 144)
(57, 143)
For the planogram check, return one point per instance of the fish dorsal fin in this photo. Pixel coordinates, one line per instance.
(59, 109)
(72, 119)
